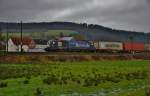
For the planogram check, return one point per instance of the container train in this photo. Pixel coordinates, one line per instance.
(73, 45)
(99, 46)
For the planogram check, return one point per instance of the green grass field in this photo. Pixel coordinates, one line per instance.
(49, 33)
(97, 78)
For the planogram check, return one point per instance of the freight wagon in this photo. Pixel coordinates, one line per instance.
(108, 46)
(133, 47)
(99, 46)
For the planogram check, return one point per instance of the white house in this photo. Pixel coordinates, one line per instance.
(14, 44)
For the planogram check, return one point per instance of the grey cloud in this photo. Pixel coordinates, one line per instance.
(120, 14)
(29, 9)
(130, 16)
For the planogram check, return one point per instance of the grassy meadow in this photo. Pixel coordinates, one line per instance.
(94, 78)
(46, 34)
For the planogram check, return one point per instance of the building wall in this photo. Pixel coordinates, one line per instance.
(12, 47)
(24, 47)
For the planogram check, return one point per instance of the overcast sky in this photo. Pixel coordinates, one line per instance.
(119, 14)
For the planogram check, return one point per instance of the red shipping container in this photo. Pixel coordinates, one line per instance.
(132, 46)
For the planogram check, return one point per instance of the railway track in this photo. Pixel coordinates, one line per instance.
(76, 53)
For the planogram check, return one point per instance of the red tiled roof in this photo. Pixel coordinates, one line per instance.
(25, 41)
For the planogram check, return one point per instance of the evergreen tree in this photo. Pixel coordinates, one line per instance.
(61, 34)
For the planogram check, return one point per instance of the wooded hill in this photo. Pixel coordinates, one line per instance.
(90, 31)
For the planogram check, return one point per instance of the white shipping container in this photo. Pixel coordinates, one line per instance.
(111, 45)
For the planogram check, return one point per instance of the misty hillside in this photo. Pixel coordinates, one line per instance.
(90, 31)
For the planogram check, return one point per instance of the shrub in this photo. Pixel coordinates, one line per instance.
(26, 81)
(51, 79)
(28, 77)
(87, 82)
(147, 92)
(39, 92)
(3, 84)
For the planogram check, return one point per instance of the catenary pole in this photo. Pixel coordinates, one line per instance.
(21, 36)
(7, 37)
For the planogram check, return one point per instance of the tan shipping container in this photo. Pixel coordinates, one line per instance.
(147, 47)
(111, 45)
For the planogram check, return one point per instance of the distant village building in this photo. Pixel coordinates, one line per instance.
(14, 44)
(2, 45)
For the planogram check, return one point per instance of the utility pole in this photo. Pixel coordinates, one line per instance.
(131, 39)
(7, 37)
(0, 33)
(21, 36)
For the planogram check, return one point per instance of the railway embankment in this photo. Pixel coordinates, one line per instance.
(68, 57)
